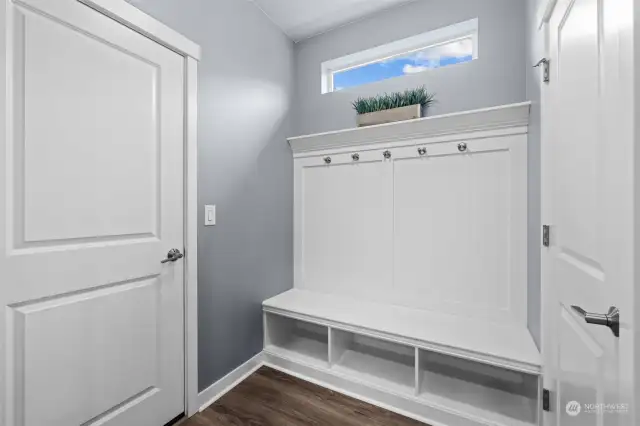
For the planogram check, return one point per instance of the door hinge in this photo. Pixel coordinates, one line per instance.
(544, 62)
(546, 238)
(546, 396)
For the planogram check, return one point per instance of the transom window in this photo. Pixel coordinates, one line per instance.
(439, 48)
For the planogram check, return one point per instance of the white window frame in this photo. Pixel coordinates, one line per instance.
(462, 30)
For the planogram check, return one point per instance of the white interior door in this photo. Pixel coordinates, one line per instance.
(91, 200)
(588, 181)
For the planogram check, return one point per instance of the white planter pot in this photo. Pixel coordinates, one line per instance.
(390, 115)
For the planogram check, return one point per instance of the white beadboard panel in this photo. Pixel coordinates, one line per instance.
(452, 234)
(457, 245)
(419, 223)
(346, 213)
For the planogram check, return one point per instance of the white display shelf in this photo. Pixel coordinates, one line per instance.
(486, 119)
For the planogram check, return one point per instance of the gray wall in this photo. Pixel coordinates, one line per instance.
(497, 77)
(535, 51)
(245, 79)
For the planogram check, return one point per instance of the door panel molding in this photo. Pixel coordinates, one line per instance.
(70, 321)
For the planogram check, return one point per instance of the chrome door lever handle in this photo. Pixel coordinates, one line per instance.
(611, 319)
(172, 256)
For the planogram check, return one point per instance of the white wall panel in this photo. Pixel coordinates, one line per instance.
(452, 219)
(346, 218)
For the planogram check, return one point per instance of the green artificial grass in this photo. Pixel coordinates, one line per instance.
(418, 96)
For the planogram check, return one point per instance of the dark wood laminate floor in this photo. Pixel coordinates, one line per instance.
(271, 398)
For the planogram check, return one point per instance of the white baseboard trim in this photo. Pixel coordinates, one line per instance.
(228, 382)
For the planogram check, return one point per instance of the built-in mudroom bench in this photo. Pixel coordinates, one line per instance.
(410, 268)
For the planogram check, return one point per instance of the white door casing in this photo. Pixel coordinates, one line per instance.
(91, 199)
(588, 194)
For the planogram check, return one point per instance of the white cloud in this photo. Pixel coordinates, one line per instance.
(413, 69)
(432, 57)
(457, 49)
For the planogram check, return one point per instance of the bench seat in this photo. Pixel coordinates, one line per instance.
(507, 346)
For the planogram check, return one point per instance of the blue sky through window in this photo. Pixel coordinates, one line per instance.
(432, 57)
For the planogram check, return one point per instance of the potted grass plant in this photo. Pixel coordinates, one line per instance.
(392, 107)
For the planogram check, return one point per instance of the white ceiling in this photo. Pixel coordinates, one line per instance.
(301, 19)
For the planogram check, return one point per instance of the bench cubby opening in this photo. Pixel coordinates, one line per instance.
(377, 362)
(488, 392)
(297, 340)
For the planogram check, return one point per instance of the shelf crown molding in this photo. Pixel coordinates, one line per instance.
(506, 116)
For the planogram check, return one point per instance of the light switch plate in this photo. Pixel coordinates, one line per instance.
(209, 215)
